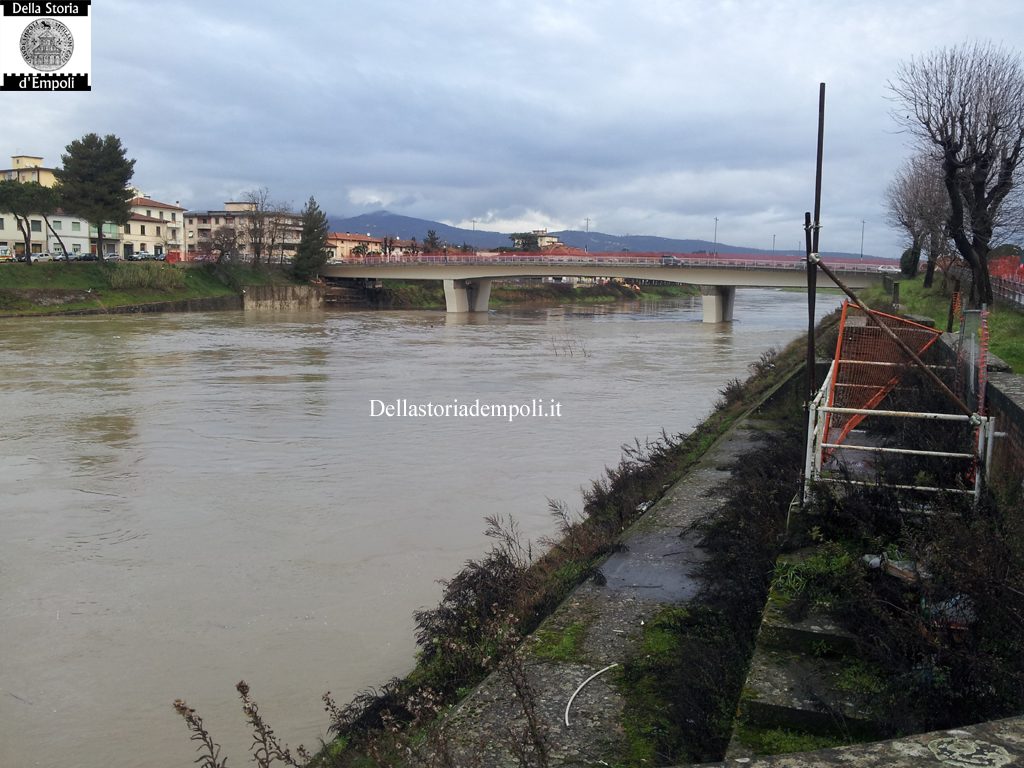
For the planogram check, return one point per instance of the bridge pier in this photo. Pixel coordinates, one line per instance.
(467, 295)
(717, 302)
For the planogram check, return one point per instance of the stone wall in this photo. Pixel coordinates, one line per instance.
(1006, 402)
(282, 297)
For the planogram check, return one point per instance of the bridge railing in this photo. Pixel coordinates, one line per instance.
(644, 260)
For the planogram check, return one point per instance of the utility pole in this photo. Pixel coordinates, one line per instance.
(716, 237)
(587, 220)
(862, 238)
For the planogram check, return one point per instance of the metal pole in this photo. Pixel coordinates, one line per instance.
(811, 242)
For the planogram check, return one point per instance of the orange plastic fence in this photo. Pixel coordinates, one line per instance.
(869, 364)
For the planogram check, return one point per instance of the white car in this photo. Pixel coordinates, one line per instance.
(889, 269)
(42, 257)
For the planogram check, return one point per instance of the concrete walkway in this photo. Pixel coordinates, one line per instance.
(654, 569)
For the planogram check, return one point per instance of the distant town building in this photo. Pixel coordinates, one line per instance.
(537, 240)
(277, 232)
(29, 168)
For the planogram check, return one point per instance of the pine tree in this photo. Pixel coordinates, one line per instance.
(93, 182)
(312, 251)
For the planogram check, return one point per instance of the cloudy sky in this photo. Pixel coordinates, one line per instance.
(649, 117)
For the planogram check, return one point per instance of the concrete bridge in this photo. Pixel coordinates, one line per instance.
(467, 276)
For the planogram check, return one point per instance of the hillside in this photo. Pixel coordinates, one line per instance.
(381, 223)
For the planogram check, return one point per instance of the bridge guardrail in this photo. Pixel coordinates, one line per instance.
(639, 260)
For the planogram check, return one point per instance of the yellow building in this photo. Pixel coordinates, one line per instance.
(155, 228)
(29, 168)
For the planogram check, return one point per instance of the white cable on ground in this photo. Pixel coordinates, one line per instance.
(573, 697)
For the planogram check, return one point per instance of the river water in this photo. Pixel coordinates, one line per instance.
(191, 500)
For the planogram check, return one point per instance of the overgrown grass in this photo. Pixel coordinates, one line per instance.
(142, 275)
(560, 644)
(62, 287)
(429, 294)
(1006, 324)
(779, 741)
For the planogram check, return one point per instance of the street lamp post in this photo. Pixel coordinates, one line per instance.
(715, 252)
(862, 238)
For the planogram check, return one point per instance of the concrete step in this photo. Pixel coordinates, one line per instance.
(810, 694)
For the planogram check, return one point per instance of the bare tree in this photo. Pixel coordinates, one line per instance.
(224, 242)
(917, 202)
(967, 103)
(264, 225)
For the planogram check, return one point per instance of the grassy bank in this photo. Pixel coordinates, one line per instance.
(429, 294)
(56, 287)
(1006, 324)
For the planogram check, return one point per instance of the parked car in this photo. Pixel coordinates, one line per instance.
(88, 257)
(889, 269)
(6, 254)
(44, 256)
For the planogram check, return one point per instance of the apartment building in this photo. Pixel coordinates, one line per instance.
(154, 227)
(278, 232)
(29, 168)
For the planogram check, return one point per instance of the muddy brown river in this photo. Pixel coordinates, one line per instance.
(191, 500)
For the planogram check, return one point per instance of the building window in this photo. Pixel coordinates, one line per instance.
(174, 216)
(161, 214)
(37, 226)
(127, 229)
(57, 224)
(149, 213)
(142, 229)
(204, 220)
(1, 222)
(76, 226)
(217, 221)
(158, 231)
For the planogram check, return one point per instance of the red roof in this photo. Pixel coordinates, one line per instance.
(144, 201)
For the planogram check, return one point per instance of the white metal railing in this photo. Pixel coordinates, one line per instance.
(817, 443)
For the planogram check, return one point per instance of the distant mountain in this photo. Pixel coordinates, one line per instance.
(381, 223)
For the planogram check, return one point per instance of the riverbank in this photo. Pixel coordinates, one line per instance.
(666, 579)
(55, 288)
(1006, 323)
(487, 608)
(429, 294)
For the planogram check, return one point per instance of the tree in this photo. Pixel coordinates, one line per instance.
(525, 241)
(917, 202)
(21, 200)
(432, 243)
(312, 251)
(264, 223)
(224, 242)
(967, 103)
(93, 182)
(910, 261)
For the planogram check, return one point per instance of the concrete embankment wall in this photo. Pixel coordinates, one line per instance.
(1006, 403)
(282, 297)
(209, 304)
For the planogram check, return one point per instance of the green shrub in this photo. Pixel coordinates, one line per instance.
(161, 277)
